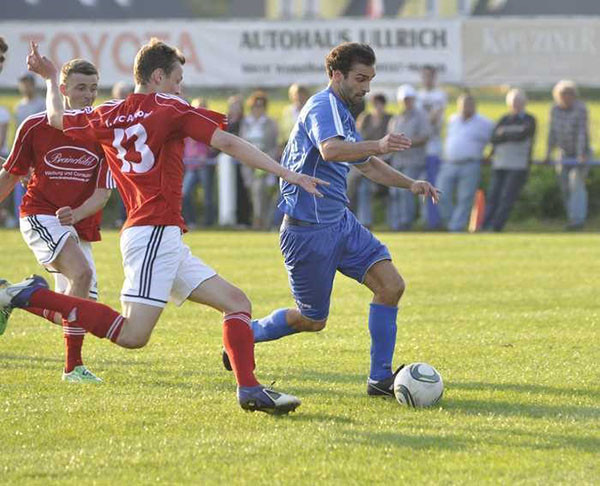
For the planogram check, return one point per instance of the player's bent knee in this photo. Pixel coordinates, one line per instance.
(84, 276)
(133, 342)
(391, 292)
(307, 325)
(238, 302)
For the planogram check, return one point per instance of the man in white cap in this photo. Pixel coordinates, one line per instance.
(413, 122)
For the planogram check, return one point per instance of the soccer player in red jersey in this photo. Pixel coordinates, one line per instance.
(142, 137)
(61, 211)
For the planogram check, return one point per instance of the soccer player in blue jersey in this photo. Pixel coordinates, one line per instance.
(320, 236)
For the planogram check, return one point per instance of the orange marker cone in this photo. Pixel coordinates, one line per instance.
(478, 212)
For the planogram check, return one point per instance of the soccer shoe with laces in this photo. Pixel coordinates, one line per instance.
(18, 295)
(382, 388)
(80, 374)
(4, 310)
(264, 399)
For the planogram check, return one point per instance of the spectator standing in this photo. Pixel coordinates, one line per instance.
(512, 141)
(569, 132)
(412, 122)
(235, 115)
(6, 218)
(30, 103)
(4, 113)
(199, 160)
(433, 100)
(460, 173)
(261, 131)
(371, 126)
(298, 96)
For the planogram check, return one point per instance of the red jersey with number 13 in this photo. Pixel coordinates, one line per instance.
(142, 137)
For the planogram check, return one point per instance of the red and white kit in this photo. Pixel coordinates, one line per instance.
(142, 137)
(62, 173)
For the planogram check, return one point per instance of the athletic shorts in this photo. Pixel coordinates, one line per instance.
(46, 237)
(159, 267)
(313, 255)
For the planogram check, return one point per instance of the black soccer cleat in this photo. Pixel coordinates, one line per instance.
(264, 399)
(382, 388)
(226, 362)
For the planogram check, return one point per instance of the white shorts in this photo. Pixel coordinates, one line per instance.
(159, 267)
(46, 237)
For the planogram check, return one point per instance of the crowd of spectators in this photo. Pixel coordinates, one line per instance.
(450, 156)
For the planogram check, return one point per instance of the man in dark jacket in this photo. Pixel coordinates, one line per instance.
(512, 141)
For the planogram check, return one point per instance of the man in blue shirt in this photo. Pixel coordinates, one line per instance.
(320, 236)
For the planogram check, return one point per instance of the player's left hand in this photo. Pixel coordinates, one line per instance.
(308, 183)
(39, 64)
(424, 188)
(66, 216)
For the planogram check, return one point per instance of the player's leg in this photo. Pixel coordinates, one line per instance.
(238, 340)
(75, 267)
(56, 247)
(311, 256)
(368, 261)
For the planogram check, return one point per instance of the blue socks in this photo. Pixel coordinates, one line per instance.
(271, 327)
(382, 327)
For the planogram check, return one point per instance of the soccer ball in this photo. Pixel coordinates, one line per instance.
(418, 385)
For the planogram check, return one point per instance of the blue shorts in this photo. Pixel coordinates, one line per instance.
(313, 254)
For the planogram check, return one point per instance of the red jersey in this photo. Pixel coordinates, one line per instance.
(63, 173)
(142, 137)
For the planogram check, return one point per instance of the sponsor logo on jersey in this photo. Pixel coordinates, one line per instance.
(70, 158)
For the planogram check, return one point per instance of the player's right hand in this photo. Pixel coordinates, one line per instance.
(39, 64)
(308, 183)
(66, 216)
(393, 142)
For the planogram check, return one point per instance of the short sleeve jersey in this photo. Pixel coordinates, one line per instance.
(63, 173)
(324, 116)
(143, 139)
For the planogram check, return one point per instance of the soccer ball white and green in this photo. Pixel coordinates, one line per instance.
(418, 385)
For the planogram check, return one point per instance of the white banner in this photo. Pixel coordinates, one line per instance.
(534, 51)
(242, 53)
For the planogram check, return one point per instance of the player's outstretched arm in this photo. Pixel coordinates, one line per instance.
(46, 69)
(338, 150)
(249, 155)
(381, 173)
(68, 216)
(7, 182)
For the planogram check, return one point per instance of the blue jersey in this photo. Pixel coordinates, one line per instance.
(324, 116)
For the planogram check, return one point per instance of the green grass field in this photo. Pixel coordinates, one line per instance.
(510, 320)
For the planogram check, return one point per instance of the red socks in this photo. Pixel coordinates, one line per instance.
(47, 314)
(99, 319)
(239, 344)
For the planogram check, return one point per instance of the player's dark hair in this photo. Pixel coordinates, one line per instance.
(3, 45)
(429, 67)
(80, 66)
(380, 97)
(155, 55)
(344, 56)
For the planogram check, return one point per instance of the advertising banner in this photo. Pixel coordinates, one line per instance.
(242, 53)
(531, 51)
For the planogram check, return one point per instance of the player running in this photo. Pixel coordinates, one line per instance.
(142, 137)
(61, 212)
(321, 236)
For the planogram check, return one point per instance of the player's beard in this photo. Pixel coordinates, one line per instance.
(350, 96)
